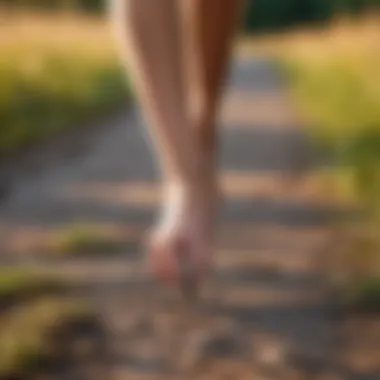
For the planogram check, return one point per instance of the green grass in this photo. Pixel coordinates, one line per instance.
(343, 103)
(335, 81)
(33, 313)
(54, 74)
(340, 98)
(334, 78)
(26, 334)
(19, 284)
(83, 239)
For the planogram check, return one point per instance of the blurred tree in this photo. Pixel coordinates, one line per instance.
(80, 5)
(262, 15)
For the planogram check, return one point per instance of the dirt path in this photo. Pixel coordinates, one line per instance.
(271, 234)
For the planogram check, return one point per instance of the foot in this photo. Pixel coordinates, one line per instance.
(185, 229)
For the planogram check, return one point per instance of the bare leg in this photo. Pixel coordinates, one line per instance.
(209, 30)
(148, 30)
(210, 27)
(149, 34)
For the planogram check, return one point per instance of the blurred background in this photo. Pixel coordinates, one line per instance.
(59, 70)
(40, 39)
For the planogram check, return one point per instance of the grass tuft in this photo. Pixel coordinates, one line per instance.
(21, 284)
(26, 334)
(83, 239)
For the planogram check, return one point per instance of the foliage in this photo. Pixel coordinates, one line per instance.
(265, 15)
(260, 14)
(55, 75)
(340, 94)
(335, 80)
(79, 5)
(275, 14)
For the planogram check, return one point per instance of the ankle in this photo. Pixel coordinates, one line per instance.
(191, 189)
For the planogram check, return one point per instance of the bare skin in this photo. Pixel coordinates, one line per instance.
(178, 53)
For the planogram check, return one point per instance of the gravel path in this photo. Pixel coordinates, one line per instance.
(265, 312)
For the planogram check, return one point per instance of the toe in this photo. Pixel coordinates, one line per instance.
(161, 261)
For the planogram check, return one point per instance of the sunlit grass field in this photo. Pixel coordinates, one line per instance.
(55, 72)
(334, 79)
(334, 73)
